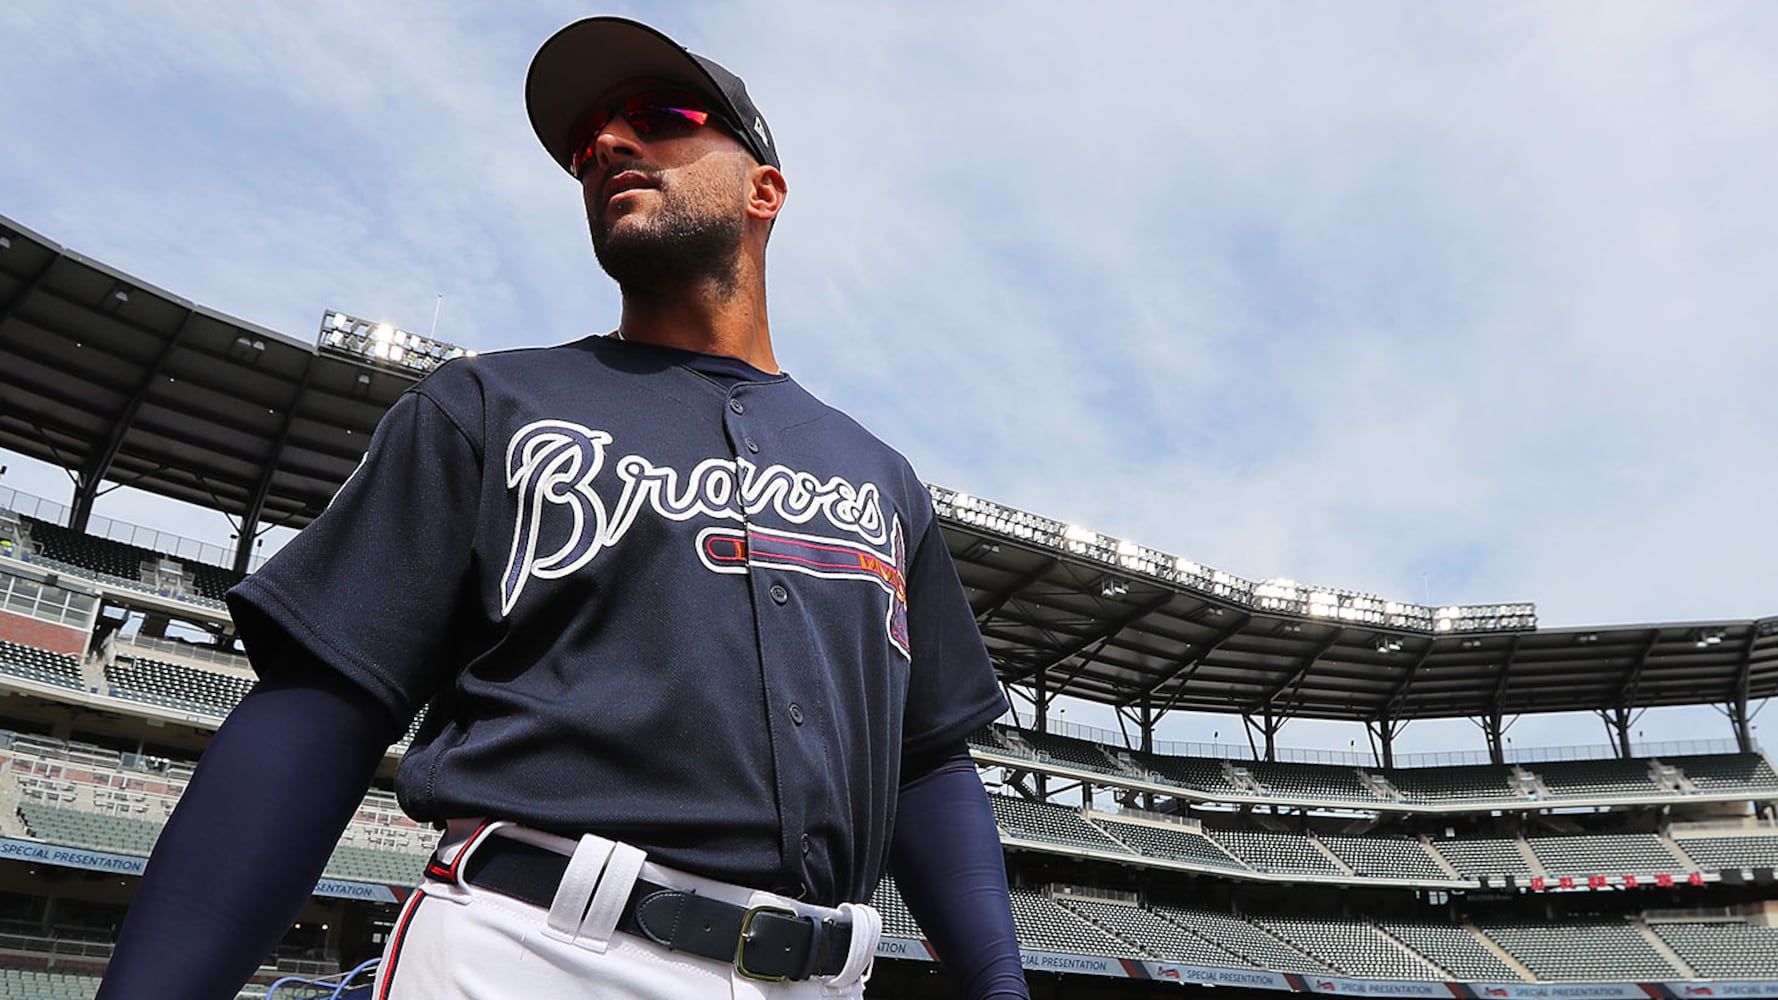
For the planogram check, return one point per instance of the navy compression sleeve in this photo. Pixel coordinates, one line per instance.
(250, 836)
(949, 867)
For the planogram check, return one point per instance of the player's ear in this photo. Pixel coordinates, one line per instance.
(766, 192)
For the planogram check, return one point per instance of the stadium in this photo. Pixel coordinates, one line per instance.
(1140, 867)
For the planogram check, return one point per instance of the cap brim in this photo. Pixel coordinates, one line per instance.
(585, 60)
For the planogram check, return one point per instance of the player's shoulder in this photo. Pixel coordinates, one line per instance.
(831, 428)
(473, 381)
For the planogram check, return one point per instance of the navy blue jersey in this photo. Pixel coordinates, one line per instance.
(643, 598)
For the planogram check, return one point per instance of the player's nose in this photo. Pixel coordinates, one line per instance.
(616, 141)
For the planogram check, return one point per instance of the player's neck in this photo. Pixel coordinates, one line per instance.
(733, 325)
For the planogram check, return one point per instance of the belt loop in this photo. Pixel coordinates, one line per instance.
(461, 862)
(861, 957)
(575, 894)
(612, 896)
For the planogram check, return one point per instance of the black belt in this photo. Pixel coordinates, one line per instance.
(770, 943)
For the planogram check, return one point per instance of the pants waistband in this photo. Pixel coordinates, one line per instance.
(593, 887)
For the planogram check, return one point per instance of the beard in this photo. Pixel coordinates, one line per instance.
(678, 247)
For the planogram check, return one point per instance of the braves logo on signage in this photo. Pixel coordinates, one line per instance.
(551, 466)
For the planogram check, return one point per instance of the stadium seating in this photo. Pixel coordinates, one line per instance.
(365, 865)
(1066, 751)
(1258, 947)
(1722, 949)
(1597, 779)
(1045, 926)
(1187, 772)
(1715, 853)
(212, 582)
(99, 556)
(1321, 782)
(1276, 852)
(1168, 840)
(1484, 857)
(174, 685)
(1149, 935)
(81, 828)
(1386, 857)
(36, 984)
(41, 665)
(1044, 821)
(1451, 785)
(1736, 772)
(1358, 950)
(1583, 951)
(897, 921)
(1632, 853)
(1454, 949)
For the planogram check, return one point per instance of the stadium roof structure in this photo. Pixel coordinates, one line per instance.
(1067, 611)
(114, 379)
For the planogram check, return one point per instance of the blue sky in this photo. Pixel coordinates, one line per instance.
(1448, 303)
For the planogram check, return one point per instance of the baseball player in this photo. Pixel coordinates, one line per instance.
(697, 665)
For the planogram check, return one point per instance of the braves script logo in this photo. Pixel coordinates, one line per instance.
(551, 465)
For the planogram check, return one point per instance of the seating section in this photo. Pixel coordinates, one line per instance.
(83, 796)
(1045, 926)
(1066, 751)
(40, 665)
(1597, 779)
(1232, 934)
(36, 984)
(176, 686)
(1168, 840)
(1027, 820)
(1276, 852)
(1150, 936)
(1447, 786)
(1722, 950)
(89, 552)
(1455, 950)
(1321, 782)
(1358, 950)
(1452, 785)
(1484, 857)
(897, 921)
(1604, 854)
(1386, 857)
(1718, 853)
(365, 865)
(1186, 772)
(1729, 772)
(212, 581)
(81, 828)
(1583, 952)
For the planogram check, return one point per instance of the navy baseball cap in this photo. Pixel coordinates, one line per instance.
(588, 58)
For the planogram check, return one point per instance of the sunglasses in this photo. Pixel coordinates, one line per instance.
(652, 113)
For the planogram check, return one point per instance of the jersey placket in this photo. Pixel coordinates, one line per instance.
(789, 729)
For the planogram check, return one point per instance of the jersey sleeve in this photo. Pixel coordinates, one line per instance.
(371, 588)
(951, 686)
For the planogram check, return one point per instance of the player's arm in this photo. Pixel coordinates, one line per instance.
(949, 866)
(251, 834)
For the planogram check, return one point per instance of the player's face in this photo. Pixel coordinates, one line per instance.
(666, 205)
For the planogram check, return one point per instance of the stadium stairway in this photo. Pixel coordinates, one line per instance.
(1666, 951)
(1493, 946)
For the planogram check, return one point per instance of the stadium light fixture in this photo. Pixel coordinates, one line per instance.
(383, 344)
(1280, 596)
(5, 241)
